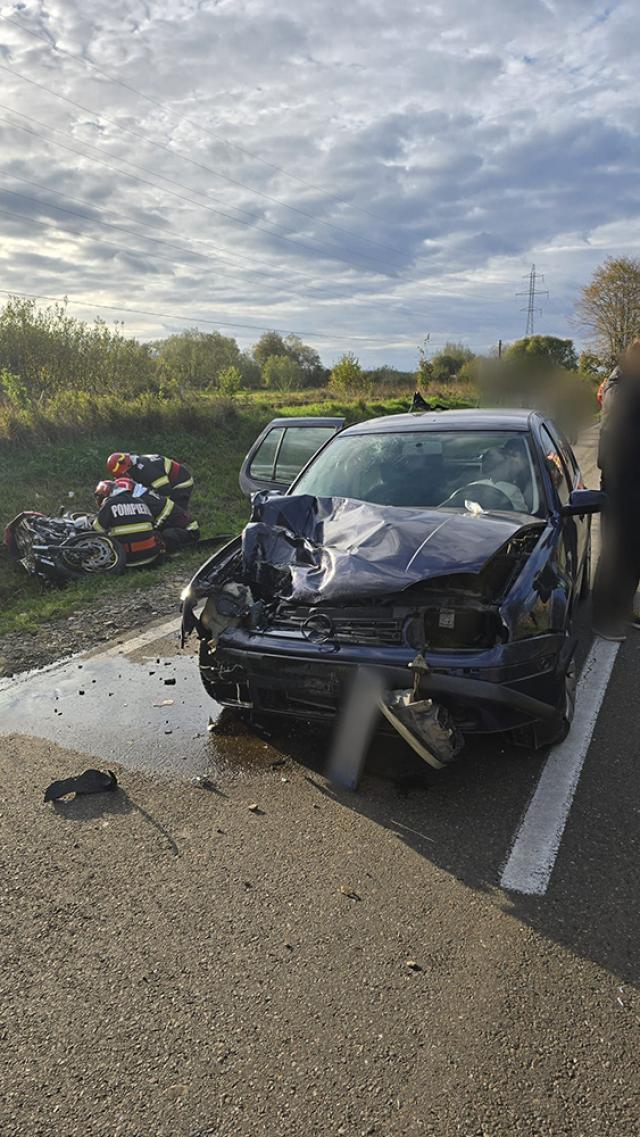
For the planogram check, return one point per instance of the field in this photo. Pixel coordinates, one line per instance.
(54, 457)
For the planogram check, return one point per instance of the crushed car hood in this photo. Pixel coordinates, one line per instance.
(311, 550)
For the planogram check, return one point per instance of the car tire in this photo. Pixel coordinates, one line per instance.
(556, 730)
(550, 732)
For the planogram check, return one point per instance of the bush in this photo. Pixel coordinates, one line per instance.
(229, 381)
(348, 378)
(12, 389)
(281, 373)
(448, 362)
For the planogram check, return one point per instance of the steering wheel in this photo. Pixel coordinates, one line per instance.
(487, 496)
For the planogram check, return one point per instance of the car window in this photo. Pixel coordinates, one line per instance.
(566, 452)
(451, 469)
(298, 445)
(264, 458)
(555, 464)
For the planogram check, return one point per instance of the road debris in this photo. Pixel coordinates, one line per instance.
(163, 702)
(205, 784)
(413, 965)
(349, 892)
(90, 782)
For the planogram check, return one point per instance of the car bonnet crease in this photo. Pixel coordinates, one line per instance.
(335, 549)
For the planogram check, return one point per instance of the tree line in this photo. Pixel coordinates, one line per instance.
(46, 351)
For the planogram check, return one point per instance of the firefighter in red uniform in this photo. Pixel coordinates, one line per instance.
(164, 475)
(179, 530)
(130, 520)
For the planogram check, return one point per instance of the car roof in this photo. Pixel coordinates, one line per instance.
(472, 419)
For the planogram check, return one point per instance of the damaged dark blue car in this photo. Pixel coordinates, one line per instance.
(443, 553)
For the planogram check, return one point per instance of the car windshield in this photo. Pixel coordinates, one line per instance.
(449, 469)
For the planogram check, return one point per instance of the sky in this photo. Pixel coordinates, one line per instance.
(361, 174)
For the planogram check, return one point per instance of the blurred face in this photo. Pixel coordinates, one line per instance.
(515, 463)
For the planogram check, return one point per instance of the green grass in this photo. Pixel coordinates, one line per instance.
(55, 455)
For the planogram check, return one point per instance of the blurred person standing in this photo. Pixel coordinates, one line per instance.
(618, 572)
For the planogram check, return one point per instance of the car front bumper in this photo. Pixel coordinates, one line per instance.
(501, 688)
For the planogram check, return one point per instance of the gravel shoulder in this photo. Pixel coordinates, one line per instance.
(107, 617)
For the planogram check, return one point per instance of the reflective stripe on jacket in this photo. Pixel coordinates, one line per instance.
(164, 475)
(165, 511)
(130, 520)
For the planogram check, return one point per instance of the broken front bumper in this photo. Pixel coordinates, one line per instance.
(498, 689)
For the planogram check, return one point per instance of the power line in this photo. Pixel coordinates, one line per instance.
(171, 316)
(112, 168)
(90, 236)
(96, 220)
(163, 106)
(171, 181)
(136, 177)
(193, 162)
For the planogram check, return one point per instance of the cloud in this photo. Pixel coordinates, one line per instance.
(365, 171)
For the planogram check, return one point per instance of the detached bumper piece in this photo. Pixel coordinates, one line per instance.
(425, 725)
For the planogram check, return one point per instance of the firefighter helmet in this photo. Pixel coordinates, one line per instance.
(102, 490)
(119, 463)
(125, 484)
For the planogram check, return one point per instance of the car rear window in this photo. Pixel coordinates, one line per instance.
(298, 445)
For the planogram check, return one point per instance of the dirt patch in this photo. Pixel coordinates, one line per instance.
(88, 626)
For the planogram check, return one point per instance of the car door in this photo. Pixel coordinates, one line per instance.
(282, 449)
(576, 529)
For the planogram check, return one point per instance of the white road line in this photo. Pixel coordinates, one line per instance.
(158, 632)
(533, 856)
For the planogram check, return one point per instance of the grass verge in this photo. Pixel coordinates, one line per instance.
(55, 459)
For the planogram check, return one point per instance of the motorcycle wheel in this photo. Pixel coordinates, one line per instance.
(90, 553)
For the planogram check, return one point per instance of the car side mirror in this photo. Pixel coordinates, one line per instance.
(584, 501)
(264, 495)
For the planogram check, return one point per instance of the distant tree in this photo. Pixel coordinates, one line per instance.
(50, 351)
(609, 307)
(448, 361)
(281, 373)
(250, 371)
(273, 344)
(194, 359)
(543, 351)
(348, 378)
(591, 364)
(269, 345)
(307, 359)
(230, 381)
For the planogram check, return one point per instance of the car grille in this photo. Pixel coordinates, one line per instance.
(349, 626)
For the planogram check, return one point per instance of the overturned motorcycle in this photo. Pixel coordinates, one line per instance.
(59, 549)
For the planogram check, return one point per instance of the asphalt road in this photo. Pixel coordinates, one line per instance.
(178, 964)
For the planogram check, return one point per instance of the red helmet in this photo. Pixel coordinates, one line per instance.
(102, 490)
(125, 484)
(118, 464)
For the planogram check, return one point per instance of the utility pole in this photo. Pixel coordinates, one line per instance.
(531, 293)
